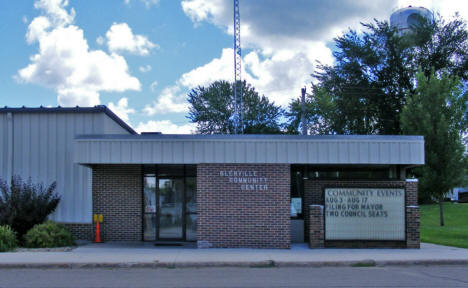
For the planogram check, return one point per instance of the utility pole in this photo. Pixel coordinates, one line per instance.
(238, 105)
(303, 119)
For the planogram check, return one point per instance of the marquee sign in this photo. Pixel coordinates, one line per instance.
(364, 214)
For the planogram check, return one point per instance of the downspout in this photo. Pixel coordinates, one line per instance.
(9, 173)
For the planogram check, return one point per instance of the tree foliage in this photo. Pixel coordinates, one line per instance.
(25, 204)
(366, 89)
(212, 109)
(438, 110)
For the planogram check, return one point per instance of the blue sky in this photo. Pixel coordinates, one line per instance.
(141, 57)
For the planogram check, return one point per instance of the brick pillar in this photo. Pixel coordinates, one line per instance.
(316, 227)
(411, 187)
(412, 227)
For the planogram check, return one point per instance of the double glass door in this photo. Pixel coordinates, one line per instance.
(170, 208)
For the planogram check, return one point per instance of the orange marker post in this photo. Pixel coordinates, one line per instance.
(98, 219)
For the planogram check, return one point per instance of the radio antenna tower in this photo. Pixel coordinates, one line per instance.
(238, 107)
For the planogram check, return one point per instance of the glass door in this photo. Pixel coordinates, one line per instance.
(170, 208)
(149, 215)
(170, 203)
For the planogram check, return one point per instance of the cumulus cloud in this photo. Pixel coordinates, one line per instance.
(144, 69)
(147, 3)
(121, 109)
(100, 40)
(446, 8)
(278, 76)
(153, 85)
(284, 42)
(65, 63)
(166, 127)
(173, 99)
(120, 38)
(274, 23)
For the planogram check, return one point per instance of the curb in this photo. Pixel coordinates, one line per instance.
(217, 264)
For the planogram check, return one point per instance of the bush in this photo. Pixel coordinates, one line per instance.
(7, 239)
(48, 235)
(24, 204)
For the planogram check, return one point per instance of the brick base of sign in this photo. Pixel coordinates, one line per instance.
(412, 227)
(118, 196)
(316, 227)
(231, 214)
(314, 216)
(81, 231)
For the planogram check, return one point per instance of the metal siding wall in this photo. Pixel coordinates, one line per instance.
(109, 126)
(3, 146)
(175, 151)
(43, 150)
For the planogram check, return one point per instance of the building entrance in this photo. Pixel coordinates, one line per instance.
(170, 206)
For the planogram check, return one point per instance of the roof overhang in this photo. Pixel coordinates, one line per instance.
(281, 149)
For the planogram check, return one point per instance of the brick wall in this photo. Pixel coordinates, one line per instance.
(313, 195)
(411, 192)
(412, 214)
(316, 227)
(231, 216)
(412, 227)
(117, 194)
(81, 231)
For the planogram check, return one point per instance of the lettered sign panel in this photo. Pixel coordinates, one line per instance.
(364, 214)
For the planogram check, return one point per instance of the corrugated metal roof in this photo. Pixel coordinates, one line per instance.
(292, 149)
(77, 109)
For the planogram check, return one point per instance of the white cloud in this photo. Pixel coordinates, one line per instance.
(121, 38)
(171, 100)
(279, 24)
(279, 76)
(147, 3)
(144, 69)
(166, 127)
(285, 41)
(100, 40)
(121, 109)
(218, 69)
(56, 11)
(446, 8)
(274, 24)
(65, 63)
(153, 85)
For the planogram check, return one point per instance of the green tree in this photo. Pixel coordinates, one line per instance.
(438, 110)
(365, 90)
(319, 111)
(212, 109)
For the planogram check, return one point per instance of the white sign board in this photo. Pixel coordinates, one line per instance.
(364, 214)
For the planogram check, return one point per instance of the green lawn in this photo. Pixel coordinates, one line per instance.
(455, 231)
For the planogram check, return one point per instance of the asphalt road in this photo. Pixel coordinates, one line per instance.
(401, 276)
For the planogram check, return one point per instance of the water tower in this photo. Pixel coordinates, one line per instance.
(405, 19)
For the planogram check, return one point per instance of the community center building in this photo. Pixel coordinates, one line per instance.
(259, 191)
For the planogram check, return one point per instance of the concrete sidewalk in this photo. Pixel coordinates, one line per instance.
(113, 255)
